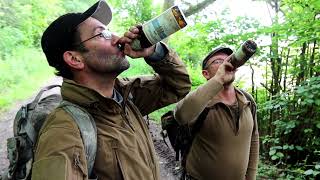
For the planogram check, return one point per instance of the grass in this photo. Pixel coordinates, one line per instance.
(21, 74)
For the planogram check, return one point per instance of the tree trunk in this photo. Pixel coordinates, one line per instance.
(252, 81)
(311, 62)
(285, 72)
(302, 62)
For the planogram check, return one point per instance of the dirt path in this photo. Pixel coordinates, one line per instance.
(168, 170)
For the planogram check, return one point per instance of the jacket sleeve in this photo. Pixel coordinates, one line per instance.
(59, 153)
(254, 152)
(170, 84)
(190, 107)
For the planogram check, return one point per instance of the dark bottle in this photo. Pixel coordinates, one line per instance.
(246, 50)
(159, 28)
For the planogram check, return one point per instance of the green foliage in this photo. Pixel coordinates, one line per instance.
(295, 139)
(23, 67)
(21, 74)
(138, 67)
(132, 12)
(200, 38)
(156, 115)
(23, 22)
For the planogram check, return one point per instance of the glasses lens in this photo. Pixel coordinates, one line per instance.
(106, 34)
(218, 61)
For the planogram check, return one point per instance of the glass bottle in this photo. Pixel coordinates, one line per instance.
(246, 50)
(159, 28)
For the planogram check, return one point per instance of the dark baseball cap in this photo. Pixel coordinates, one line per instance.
(226, 50)
(58, 37)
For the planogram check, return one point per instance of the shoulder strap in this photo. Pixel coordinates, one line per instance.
(253, 105)
(88, 131)
(29, 129)
(200, 120)
(37, 98)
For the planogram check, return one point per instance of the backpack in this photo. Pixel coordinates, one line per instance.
(182, 136)
(27, 124)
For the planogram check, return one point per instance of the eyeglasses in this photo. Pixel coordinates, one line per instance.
(217, 61)
(105, 34)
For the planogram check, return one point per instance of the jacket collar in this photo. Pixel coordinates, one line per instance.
(239, 95)
(82, 95)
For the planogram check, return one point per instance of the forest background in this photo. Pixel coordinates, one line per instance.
(283, 76)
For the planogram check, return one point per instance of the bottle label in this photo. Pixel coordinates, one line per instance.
(161, 27)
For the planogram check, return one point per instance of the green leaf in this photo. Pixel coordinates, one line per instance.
(291, 147)
(318, 125)
(274, 157)
(272, 152)
(277, 147)
(308, 172)
(280, 154)
(317, 101)
(317, 166)
(299, 148)
(307, 131)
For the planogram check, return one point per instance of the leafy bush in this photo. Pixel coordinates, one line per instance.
(21, 74)
(296, 137)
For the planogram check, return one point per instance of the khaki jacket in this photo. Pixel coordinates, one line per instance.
(125, 148)
(224, 148)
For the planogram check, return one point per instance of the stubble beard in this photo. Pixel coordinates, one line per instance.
(107, 64)
(230, 82)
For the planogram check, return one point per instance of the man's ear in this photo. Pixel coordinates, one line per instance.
(206, 74)
(73, 59)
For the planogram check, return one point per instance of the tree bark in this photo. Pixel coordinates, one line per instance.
(311, 62)
(197, 8)
(302, 62)
(252, 82)
(285, 72)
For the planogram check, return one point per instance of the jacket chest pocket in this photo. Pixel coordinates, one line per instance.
(107, 164)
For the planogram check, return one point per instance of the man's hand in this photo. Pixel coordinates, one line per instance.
(127, 39)
(226, 72)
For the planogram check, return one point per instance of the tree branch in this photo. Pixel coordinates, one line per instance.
(197, 8)
(266, 87)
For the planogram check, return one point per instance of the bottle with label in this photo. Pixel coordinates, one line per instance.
(159, 28)
(246, 50)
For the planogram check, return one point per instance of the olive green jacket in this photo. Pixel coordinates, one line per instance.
(125, 148)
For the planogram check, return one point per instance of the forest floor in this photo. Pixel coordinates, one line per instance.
(168, 166)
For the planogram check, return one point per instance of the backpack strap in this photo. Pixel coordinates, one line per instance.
(36, 100)
(200, 120)
(88, 131)
(29, 129)
(253, 105)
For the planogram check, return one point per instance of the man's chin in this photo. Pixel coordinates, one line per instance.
(229, 83)
(123, 67)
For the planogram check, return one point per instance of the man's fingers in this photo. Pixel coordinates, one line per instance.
(130, 52)
(124, 40)
(228, 66)
(130, 35)
(228, 59)
(134, 29)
